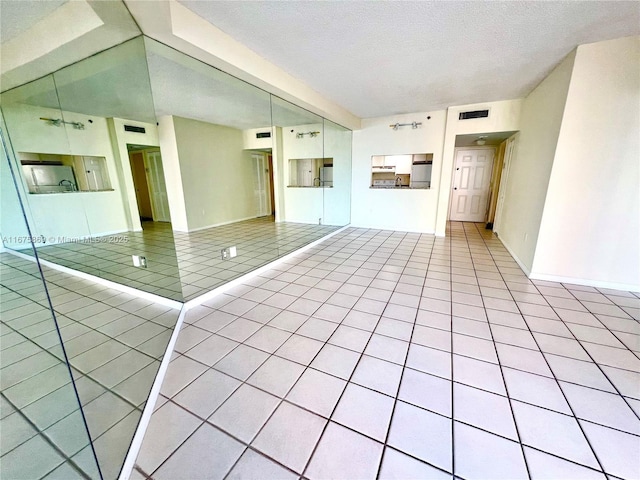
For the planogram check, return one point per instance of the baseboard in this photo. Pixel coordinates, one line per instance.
(391, 229)
(627, 287)
(254, 273)
(575, 281)
(101, 281)
(524, 268)
(191, 230)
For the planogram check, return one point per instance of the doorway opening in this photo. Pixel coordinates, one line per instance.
(149, 183)
(479, 159)
(263, 183)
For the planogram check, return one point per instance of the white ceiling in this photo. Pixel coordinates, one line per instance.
(373, 58)
(380, 58)
(490, 139)
(16, 16)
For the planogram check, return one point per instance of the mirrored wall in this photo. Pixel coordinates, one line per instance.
(147, 168)
(143, 166)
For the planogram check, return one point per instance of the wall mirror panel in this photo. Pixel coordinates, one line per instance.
(74, 137)
(139, 159)
(145, 167)
(337, 191)
(41, 409)
(300, 161)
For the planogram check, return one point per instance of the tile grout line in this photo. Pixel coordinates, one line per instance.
(506, 387)
(404, 365)
(41, 433)
(242, 382)
(560, 388)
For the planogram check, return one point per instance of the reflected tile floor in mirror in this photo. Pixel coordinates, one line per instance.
(183, 266)
(396, 355)
(115, 343)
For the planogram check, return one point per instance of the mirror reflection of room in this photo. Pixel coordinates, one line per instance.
(148, 169)
(157, 163)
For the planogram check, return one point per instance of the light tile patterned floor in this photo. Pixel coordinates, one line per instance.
(114, 342)
(395, 355)
(182, 266)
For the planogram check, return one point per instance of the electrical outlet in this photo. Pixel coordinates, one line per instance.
(229, 252)
(139, 261)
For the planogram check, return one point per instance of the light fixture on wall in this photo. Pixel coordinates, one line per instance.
(57, 122)
(311, 134)
(482, 139)
(413, 125)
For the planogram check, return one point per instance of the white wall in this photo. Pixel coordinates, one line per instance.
(78, 214)
(590, 227)
(504, 116)
(302, 204)
(250, 141)
(12, 224)
(408, 210)
(119, 140)
(217, 175)
(337, 200)
(172, 173)
(530, 167)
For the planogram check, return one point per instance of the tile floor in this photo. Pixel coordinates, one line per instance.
(114, 342)
(395, 355)
(183, 266)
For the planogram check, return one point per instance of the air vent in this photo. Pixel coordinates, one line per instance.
(132, 128)
(263, 135)
(474, 114)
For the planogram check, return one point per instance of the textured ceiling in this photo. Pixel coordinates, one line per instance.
(380, 57)
(16, 16)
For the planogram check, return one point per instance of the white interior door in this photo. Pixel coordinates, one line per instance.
(261, 190)
(506, 165)
(157, 186)
(471, 184)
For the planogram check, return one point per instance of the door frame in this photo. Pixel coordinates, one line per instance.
(509, 154)
(453, 176)
(135, 184)
(148, 167)
(261, 165)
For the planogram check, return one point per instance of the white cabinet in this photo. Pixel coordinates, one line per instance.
(377, 161)
(403, 164)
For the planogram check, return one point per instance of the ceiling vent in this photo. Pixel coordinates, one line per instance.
(263, 135)
(132, 128)
(474, 114)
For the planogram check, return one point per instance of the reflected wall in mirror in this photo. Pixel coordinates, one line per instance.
(77, 123)
(401, 171)
(41, 409)
(299, 145)
(337, 192)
